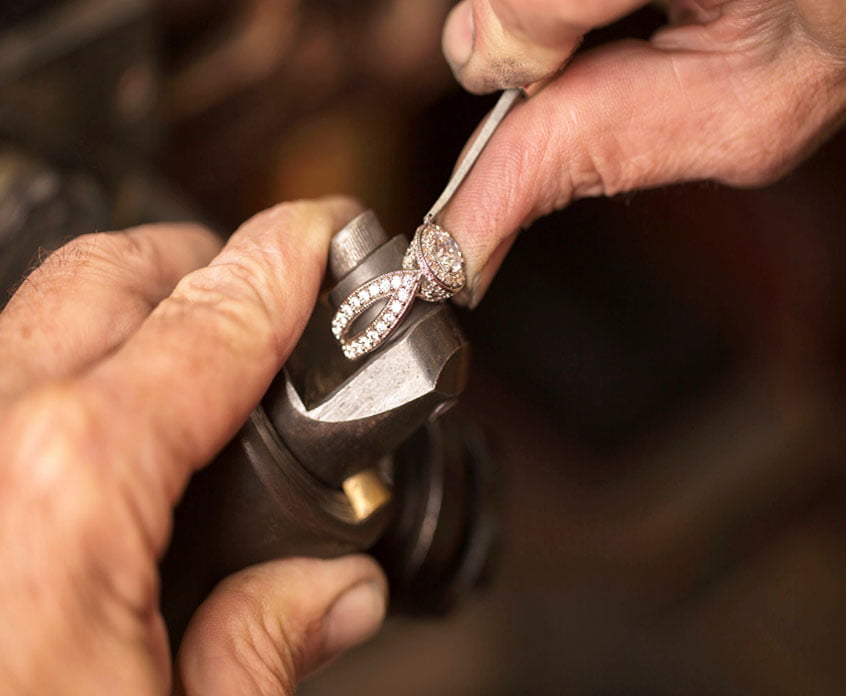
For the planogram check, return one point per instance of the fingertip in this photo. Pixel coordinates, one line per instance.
(458, 37)
(280, 621)
(488, 48)
(328, 211)
(355, 617)
(342, 208)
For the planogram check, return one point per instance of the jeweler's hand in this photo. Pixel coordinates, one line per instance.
(126, 361)
(737, 91)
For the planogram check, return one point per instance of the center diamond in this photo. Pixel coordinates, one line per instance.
(446, 251)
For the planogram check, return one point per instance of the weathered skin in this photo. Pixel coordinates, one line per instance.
(736, 91)
(126, 361)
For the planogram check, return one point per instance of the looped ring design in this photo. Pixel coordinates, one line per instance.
(432, 270)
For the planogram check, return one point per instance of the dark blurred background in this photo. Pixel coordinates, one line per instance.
(660, 374)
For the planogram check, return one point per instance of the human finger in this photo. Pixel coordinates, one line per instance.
(87, 297)
(266, 628)
(496, 44)
(178, 390)
(634, 115)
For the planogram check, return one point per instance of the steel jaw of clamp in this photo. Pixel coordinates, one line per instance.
(348, 456)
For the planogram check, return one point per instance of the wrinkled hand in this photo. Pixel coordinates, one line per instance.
(127, 360)
(737, 91)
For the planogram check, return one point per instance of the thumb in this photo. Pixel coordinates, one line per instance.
(494, 44)
(266, 628)
(627, 116)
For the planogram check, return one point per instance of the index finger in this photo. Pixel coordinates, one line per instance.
(178, 390)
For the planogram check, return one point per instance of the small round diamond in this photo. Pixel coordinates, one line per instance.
(402, 295)
(381, 327)
(396, 307)
(385, 286)
(355, 301)
(389, 317)
(395, 282)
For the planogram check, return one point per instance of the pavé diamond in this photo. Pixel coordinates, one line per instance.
(432, 269)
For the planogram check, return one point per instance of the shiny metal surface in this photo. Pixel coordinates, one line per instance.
(320, 470)
(357, 417)
(354, 243)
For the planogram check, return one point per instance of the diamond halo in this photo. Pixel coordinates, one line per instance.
(437, 255)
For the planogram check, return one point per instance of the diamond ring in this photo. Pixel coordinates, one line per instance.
(432, 270)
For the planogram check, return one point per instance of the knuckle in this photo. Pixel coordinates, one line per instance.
(125, 249)
(87, 522)
(104, 254)
(773, 129)
(758, 171)
(592, 173)
(56, 430)
(52, 459)
(62, 262)
(597, 165)
(254, 294)
(102, 246)
(57, 465)
(760, 156)
(236, 294)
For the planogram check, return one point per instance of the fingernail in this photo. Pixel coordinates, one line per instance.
(465, 298)
(354, 617)
(459, 35)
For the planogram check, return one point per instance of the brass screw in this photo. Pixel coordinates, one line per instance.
(367, 493)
